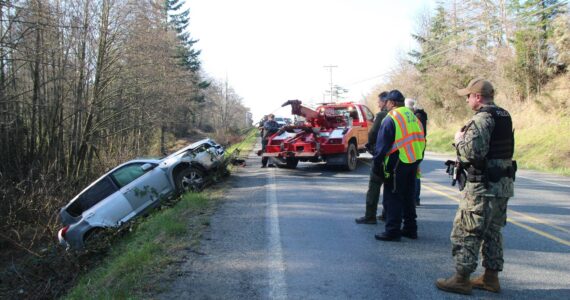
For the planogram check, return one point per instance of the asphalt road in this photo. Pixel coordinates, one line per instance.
(291, 234)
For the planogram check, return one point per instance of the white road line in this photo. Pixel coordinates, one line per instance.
(544, 181)
(277, 287)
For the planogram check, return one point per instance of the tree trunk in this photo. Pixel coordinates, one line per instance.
(97, 88)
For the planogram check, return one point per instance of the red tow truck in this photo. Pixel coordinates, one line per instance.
(333, 132)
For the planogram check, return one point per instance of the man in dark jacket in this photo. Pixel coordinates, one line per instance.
(375, 181)
(270, 127)
(422, 116)
(260, 126)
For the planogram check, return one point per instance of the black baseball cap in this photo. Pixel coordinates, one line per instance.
(395, 96)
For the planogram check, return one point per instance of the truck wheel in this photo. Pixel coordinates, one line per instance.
(292, 162)
(190, 179)
(351, 158)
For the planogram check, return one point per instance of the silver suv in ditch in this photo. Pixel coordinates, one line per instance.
(134, 187)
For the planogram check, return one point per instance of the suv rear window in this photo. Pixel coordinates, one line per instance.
(92, 196)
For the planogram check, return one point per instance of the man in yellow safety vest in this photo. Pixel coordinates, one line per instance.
(400, 148)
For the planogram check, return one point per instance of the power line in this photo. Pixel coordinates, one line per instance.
(521, 17)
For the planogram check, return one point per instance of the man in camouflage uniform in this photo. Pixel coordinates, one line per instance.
(485, 147)
(375, 182)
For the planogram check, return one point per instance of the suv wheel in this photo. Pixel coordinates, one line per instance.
(190, 179)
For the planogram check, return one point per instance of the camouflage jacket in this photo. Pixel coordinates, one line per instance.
(474, 145)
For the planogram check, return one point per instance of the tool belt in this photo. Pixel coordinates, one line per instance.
(493, 174)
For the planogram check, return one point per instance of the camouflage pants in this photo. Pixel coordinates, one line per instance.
(373, 193)
(477, 226)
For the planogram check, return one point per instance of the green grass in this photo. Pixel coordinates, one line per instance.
(439, 140)
(545, 147)
(540, 146)
(132, 263)
(245, 145)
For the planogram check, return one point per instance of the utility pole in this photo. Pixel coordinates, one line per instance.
(331, 82)
(225, 115)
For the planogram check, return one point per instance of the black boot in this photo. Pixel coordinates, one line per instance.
(387, 238)
(365, 220)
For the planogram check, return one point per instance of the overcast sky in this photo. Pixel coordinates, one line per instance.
(272, 51)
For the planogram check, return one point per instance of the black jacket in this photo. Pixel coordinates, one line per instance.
(422, 116)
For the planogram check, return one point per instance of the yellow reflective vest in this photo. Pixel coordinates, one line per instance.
(409, 139)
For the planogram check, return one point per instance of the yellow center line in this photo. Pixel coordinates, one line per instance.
(544, 234)
(511, 220)
(523, 215)
(537, 220)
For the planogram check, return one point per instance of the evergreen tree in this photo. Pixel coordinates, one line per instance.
(178, 20)
(435, 39)
(534, 61)
(188, 56)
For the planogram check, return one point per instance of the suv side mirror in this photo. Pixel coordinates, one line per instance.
(147, 167)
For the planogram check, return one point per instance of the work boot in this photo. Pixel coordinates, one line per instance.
(365, 220)
(488, 281)
(458, 283)
(386, 237)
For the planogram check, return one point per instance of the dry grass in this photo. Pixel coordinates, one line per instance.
(542, 128)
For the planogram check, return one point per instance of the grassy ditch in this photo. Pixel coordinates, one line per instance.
(139, 264)
(154, 244)
(245, 146)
